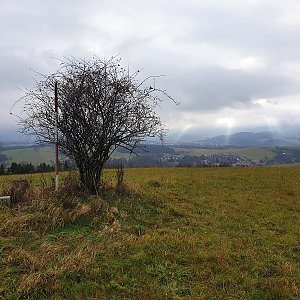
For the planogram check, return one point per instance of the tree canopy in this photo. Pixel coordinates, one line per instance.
(102, 106)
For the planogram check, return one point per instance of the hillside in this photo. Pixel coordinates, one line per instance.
(252, 153)
(216, 233)
(250, 139)
(247, 147)
(46, 154)
(30, 155)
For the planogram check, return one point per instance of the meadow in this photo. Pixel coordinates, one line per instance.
(31, 155)
(40, 155)
(46, 154)
(181, 233)
(252, 153)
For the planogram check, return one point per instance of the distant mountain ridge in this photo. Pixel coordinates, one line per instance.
(239, 139)
(251, 139)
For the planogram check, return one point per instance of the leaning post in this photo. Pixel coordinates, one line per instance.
(56, 138)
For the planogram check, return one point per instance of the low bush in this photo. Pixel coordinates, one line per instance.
(41, 208)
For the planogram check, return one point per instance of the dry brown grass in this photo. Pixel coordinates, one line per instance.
(40, 209)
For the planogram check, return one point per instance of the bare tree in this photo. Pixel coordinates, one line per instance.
(102, 106)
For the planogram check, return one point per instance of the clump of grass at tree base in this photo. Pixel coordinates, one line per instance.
(200, 233)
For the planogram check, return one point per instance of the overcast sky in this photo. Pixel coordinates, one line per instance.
(230, 63)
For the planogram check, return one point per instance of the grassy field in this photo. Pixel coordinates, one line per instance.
(40, 155)
(214, 233)
(251, 153)
(31, 155)
(46, 154)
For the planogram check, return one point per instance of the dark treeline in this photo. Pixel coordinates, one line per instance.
(149, 149)
(179, 160)
(29, 168)
(25, 168)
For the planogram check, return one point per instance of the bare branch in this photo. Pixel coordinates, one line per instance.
(102, 106)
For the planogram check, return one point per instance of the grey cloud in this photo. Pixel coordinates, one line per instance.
(214, 88)
(34, 31)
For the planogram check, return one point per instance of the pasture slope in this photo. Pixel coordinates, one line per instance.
(40, 155)
(214, 233)
(31, 155)
(252, 153)
(47, 154)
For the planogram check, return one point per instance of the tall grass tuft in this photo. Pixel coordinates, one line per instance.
(40, 208)
(121, 188)
(21, 191)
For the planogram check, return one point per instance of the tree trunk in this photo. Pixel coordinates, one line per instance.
(90, 178)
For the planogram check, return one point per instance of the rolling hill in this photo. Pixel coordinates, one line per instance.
(251, 139)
